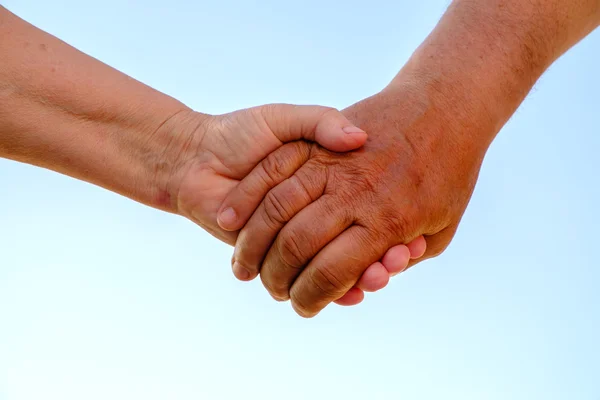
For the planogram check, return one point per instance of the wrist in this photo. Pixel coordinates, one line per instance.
(477, 66)
(450, 116)
(133, 152)
(63, 110)
(171, 150)
(135, 155)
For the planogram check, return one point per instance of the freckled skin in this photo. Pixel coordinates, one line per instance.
(430, 129)
(428, 134)
(163, 199)
(385, 193)
(63, 110)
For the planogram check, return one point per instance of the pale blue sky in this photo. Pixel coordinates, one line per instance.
(102, 298)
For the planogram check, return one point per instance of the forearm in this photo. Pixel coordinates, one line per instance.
(484, 56)
(63, 110)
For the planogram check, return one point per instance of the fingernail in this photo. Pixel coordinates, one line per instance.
(240, 272)
(227, 217)
(352, 129)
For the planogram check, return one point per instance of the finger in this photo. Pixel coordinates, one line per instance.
(397, 258)
(241, 202)
(324, 125)
(394, 261)
(335, 270)
(298, 242)
(417, 247)
(353, 297)
(279, 206)
(436, 244)
(375, 278)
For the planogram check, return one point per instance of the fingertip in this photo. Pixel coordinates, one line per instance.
(242, 273)
(307, 314)
(354, 137)
(352, 297)
(336, 133)
(396, 259)
(417, 247)
(228, 219)
(342, 142)
(375, 278)
(351, 138)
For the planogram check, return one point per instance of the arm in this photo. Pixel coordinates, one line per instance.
(484, 56)
(63, 110)
(66, 111)
(429, 132)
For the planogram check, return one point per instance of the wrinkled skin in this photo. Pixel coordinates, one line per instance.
(209, 156)
(414, 176)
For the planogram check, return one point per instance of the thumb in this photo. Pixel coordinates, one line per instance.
(324, 125)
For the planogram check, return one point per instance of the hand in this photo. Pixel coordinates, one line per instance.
(339, 213)
(210, 154)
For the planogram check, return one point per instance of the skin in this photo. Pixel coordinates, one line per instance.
(316, 231)
(63, 110)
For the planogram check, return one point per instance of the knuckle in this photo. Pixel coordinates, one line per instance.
(327, 283)
(301, 308)
(437, 244)
(310, 181)
(280, 297)
(281, 163)
(439, 249)
(397, 224)
(241, 263)
(275, 210)
(329, 112)
(301, 186)
(292, 253)
(273, 168)
(368, 238)
(280, 293)
(357, 180)
(265, 112)
(249, 191)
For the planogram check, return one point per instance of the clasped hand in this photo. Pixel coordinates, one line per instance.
(324, 221)
(318, 225)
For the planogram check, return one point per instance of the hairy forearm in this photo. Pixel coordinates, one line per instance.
(484, 56)
(63, 110)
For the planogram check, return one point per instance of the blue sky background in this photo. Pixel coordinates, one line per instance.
(102, 298)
